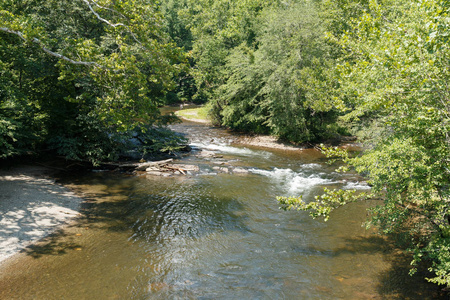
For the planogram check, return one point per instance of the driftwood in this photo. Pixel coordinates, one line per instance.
(144, 166)
(169, 169)
(137, 166)
(176, 169)
(185, 167)
(160, 168)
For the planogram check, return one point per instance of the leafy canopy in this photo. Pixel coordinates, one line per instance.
(88, 71)
(396, 72)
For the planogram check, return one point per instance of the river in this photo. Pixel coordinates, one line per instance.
(216, 234)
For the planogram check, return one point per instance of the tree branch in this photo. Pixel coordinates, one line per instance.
(107, 8)
(109, 23)
(48, 51)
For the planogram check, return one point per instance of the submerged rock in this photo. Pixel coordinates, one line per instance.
(158, 173)
(207, 153)
(240, 171)
(221, 169)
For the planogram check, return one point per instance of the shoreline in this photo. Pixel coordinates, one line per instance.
(194, 120)
(32, 207)
(266, 141)
(273, 142)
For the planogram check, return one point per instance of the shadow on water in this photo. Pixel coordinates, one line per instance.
(359, 245)
(146, 211)
(58, 243)
(393, 282)
(168, 221)
(210, 237)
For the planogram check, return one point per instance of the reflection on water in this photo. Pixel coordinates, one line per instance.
(214, 236)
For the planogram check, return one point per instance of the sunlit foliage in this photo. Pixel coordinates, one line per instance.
(76, 73)
(396, 74)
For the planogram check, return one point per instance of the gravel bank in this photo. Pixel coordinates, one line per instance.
(32, 206)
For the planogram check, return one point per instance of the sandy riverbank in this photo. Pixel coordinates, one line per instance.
(266, 141)
(32, 206)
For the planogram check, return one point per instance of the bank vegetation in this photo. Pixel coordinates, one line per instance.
(85, 79)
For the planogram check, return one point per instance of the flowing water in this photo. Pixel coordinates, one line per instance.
(214, 235)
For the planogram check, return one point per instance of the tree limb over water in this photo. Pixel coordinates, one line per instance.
(48, 51)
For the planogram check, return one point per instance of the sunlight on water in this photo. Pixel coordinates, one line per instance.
(293, 183)
(226, 149)
(214, 236)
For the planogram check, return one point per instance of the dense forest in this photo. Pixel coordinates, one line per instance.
(82, 78)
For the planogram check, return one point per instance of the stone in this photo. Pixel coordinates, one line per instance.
(240, 171)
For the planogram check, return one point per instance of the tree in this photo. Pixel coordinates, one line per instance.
(177, 28)
(396, 74)
(281, 87)
(108, 65)
(217, 27)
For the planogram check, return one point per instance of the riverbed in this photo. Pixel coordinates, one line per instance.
(214, 234)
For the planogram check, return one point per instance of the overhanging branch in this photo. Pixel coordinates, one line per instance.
(108, 22)
(107, 8)
(48, 51)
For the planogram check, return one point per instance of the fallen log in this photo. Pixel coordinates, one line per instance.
(144, 166)
(186, 167)
(172, 167)
(137, 166)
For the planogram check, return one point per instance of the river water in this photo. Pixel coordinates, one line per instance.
(214, 235)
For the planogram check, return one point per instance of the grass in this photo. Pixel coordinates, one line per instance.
(194, 114)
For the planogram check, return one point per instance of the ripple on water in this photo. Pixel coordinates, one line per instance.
(215, 237)
(294, 183)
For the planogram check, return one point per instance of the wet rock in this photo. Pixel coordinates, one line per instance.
(152, 169)
(221, 169)
(158, 173)
(208, 174)
(240, 171)
(186, 149)
(185, 167)
(207, 153)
